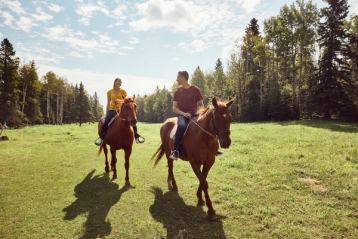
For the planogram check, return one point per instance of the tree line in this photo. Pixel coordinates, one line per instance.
(303, 65)
(26, 99)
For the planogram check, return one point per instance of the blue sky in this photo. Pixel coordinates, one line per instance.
(143, 42)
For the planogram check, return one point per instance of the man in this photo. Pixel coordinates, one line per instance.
(186, 102)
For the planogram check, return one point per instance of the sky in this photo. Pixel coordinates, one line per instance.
(145, 43)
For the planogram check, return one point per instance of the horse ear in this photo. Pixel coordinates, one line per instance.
(228, 104)
(215, 102)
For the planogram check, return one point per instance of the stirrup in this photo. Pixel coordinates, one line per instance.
(174, 155)
(98, 141)
(219, 153)
(139, 139)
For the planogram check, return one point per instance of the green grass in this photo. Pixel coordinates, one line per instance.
(278, 180)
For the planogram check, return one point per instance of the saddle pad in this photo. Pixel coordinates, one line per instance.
(173, 131)
(110, 122)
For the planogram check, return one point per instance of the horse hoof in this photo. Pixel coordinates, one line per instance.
(106, 169)
(212, 216)
(128, 184)
(200, 203)
(114, 178)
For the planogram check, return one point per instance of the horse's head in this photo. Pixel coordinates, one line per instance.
(221, 122)
(129, 110)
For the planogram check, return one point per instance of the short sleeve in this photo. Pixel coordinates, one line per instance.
(109, 94)
(175, 97)
(199, 96)
(124, 94)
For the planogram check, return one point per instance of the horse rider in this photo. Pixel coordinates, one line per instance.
(115, 97)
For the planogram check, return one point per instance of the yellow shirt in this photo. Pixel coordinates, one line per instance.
(116, 99)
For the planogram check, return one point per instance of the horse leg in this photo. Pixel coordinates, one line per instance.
(205, 173)
(113, 164)
(105, 150)
(172, 184)
(204, 186)
(127, 154)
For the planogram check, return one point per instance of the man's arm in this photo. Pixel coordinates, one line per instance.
(178, 111)
(199, 105)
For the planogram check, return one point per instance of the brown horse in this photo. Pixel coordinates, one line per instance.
(120, 135)
(199, 146)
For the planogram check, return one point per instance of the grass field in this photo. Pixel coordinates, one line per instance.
(278, 180)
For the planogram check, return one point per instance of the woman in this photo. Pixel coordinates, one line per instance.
(115, 99)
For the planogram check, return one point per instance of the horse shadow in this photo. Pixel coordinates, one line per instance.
(181, 220)
(95, 196)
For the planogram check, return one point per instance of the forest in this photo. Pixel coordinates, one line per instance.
(303, 64)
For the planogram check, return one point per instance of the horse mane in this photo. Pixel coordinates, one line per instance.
(128, 99)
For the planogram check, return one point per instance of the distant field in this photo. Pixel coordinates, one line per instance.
(278, 180)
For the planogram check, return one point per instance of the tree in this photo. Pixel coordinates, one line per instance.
(8, 82)
(84, 107)
(334, 79)
(30, 89)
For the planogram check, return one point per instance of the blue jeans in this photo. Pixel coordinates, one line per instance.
(182, 123)
(110, 114)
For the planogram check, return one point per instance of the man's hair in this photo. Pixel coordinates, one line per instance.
(184, 74)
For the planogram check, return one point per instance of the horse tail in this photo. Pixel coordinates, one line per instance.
(158, 155)
(100, 150)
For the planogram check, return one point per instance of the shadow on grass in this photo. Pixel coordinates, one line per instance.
(333, 125)
(181, 220)
(95, 196)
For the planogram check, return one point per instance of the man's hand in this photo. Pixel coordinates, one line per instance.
(186, 115)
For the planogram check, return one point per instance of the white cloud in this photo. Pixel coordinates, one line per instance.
(13, 5)
(101, 82)
(119, 14)
(133, 41)
(206, 21)
(77, 54)
(24, 21)
(176, 15)
(8, 18)
(41, 16)
(25, 24)
(55, 8)
(37, 53)
(248, 5)
(77, 40)
(86, 11)
(194, 46)
(354, 8)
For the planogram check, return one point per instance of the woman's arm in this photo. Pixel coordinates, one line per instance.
(108, 102)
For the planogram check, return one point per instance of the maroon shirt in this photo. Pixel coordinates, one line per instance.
(188, 98)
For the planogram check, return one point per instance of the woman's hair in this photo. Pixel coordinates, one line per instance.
(117, 79)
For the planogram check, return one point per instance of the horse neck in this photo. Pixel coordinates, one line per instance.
(205, 122)
(122, 123)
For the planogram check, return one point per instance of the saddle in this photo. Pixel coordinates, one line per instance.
(110, 122)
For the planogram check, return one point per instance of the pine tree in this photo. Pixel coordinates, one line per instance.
(8, 82)
(332, 87)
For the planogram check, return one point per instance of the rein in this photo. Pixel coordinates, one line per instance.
(216, 134)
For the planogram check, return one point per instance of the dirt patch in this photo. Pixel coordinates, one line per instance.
(314, 184)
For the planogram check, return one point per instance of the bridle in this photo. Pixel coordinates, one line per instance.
(216, 131)
(216, 134)
(128, 118)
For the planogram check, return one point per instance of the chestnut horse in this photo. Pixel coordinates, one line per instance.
(120, 135)
(199, 146)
